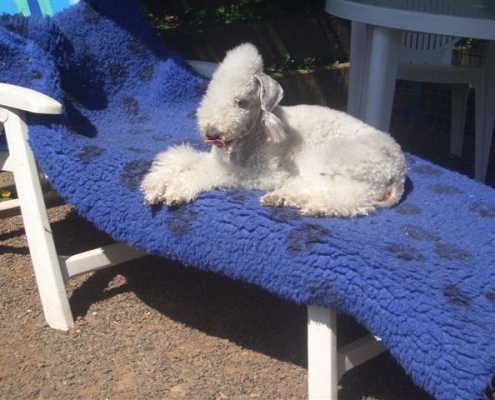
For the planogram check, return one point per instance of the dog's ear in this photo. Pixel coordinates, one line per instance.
(271, 94)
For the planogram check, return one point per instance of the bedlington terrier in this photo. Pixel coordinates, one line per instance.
(319, 160)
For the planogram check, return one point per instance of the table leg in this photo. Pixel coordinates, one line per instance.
(483, 144)
(358, 81)
(382, 70)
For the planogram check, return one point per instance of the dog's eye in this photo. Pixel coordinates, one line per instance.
(241, 103)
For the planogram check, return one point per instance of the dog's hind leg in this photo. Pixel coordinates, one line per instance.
(324, 196)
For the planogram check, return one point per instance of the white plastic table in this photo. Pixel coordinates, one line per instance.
(377, 26)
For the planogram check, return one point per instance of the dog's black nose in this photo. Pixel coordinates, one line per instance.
(212, 134)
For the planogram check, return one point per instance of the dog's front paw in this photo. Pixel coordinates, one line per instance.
(170, 196)
(153, 190)
(176, 195)
(152, 198)
(180, 174)
(167, 180)
(176, 189)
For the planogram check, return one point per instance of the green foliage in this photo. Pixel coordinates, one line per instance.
(288, 63)
(250, 11)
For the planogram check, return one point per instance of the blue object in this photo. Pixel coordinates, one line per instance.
(36, 8)
(421, 275)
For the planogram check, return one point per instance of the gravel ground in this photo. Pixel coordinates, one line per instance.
(153, 329)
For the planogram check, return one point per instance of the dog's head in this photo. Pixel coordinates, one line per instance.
(240, 97)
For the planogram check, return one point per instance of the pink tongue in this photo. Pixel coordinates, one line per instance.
(216, 142)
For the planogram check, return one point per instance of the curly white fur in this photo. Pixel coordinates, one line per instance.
(322, 161)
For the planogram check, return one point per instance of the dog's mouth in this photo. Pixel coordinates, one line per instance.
(216, 142)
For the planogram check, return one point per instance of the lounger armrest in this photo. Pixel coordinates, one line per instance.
(205, 68)
(28, 100)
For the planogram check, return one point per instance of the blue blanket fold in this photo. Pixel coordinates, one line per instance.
(420, 275)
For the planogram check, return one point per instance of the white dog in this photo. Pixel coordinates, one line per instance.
(322, 161)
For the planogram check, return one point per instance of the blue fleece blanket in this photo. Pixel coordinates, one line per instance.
(420, 275)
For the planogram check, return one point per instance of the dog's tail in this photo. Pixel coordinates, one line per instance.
(392, 195)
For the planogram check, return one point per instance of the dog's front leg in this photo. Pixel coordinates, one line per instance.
(180, 174)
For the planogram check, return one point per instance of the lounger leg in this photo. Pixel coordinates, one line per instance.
(322, 353)
(38, 231)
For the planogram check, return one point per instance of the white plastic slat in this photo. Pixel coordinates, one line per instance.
(102, 257)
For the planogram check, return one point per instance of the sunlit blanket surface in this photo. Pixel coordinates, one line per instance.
(421, 275)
